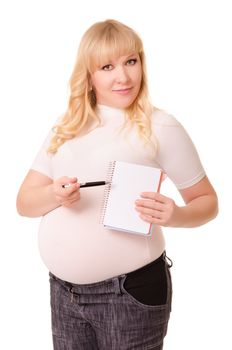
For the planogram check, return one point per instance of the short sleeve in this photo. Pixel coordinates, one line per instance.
(43, 160)
(177, 155)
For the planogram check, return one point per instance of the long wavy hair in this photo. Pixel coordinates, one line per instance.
(100, 43)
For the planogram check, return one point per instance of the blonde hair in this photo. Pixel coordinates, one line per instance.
(101, 42)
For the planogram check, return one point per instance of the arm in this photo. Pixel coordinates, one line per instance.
(201, 206)
(39, 194)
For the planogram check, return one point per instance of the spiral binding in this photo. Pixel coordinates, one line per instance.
(109, 177)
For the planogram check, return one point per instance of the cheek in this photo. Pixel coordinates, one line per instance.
(138, 81)
(138, 76)
(100, 84)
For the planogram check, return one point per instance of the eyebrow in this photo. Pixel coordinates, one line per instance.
(127, 57)
(132, 55)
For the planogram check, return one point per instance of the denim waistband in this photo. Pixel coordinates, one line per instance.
(111, 285)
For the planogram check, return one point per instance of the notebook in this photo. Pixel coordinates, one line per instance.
(127, 181)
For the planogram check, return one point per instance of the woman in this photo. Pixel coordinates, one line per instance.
(111, 289)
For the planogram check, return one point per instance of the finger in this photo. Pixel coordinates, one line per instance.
(73, 188)
(74, 196)
(149, 204)
(67, 191)
(155, 196)
(73, 179)
(151, 219)
(69, 202)
(65, 182)
(150, 212)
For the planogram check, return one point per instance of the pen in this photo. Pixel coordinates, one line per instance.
(89, 184)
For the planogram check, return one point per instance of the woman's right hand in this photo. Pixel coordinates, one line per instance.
(66, 196)
(40, 194)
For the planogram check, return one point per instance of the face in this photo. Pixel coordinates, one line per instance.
(118, 82)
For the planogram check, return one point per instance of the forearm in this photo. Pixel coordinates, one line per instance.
(36, 201)
(197, 212)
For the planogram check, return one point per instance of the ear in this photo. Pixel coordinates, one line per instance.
(90, 85)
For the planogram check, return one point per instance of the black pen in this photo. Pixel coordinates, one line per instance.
(89, 184)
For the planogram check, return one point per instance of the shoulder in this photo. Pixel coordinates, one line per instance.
(169, 131)
(161, 118)
(176, 154)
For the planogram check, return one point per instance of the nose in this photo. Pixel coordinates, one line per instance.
(121, 75)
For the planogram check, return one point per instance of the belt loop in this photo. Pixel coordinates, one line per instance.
(73, 293)
(117, 284)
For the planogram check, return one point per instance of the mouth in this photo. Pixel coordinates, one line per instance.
(122, 91)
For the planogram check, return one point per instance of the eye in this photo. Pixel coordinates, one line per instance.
(107, 67)
(131, 62)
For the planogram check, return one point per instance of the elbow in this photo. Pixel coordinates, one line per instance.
(25, 207)
(212, 210)
(20, 207)
(215, 208)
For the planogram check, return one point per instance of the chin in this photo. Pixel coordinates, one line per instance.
(125, 104)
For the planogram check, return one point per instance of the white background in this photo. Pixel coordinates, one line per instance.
(188, 48)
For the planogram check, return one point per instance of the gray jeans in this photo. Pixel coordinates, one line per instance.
(105, 316)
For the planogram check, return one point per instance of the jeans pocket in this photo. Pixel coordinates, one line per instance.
(150, 287)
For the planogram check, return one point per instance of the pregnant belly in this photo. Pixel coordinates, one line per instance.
(79, 250)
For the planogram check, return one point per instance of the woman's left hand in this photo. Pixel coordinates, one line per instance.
(157, 209)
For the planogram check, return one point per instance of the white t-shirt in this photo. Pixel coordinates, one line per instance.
(73, 243)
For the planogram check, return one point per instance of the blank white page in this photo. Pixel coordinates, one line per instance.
(128, 181)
